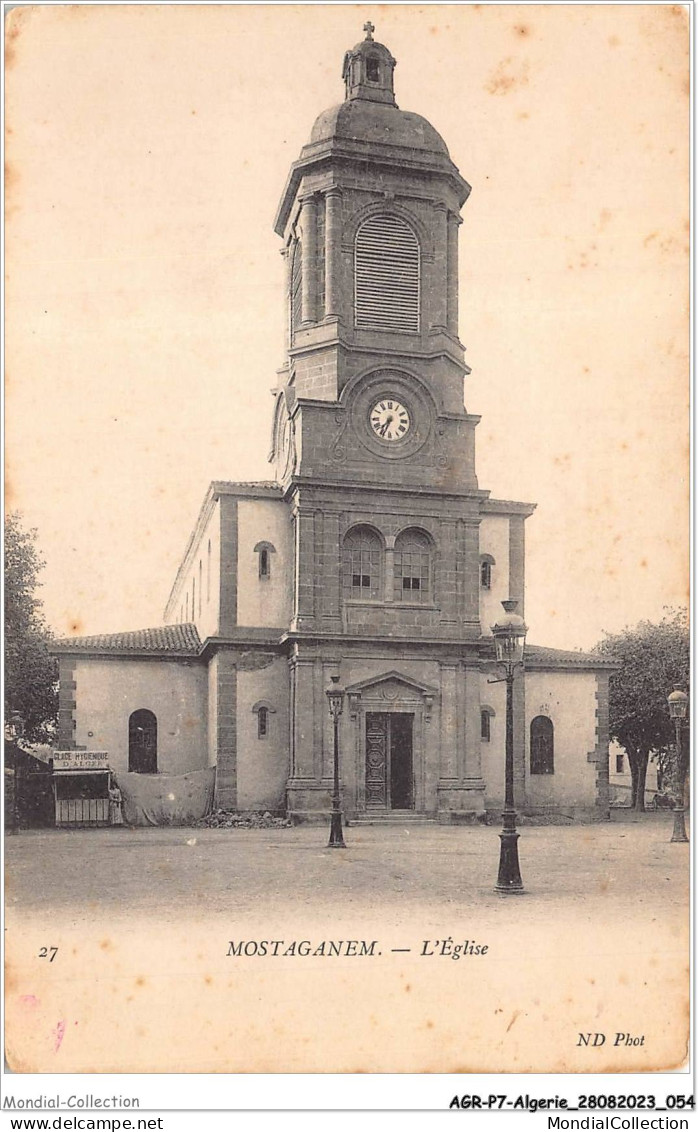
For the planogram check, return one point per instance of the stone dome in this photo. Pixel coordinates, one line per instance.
(361, 120)
(369, 127)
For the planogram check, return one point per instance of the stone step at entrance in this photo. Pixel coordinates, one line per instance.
(392, 817)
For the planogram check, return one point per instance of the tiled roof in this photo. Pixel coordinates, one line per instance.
(568, 658)
(166, 640)
(538, 656)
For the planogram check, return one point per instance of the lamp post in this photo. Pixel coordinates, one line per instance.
(335, 699)
(509, 634)
(678, 702)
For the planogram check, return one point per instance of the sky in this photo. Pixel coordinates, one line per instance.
(147, 150)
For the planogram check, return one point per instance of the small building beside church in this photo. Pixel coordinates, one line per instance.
(371, 554)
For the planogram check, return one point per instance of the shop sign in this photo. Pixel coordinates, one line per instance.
(80, 760)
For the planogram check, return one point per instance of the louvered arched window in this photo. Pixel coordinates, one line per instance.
(386, 275)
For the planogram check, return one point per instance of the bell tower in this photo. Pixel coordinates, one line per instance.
(372, 385)
(375, 454)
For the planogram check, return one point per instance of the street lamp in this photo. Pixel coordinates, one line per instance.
(335, 699)
(509, 634)
(678, 702)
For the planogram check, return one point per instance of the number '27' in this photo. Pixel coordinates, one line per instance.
(49, 953)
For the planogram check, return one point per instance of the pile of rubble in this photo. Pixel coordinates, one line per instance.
(230, 819)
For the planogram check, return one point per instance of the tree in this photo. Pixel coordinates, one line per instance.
(654, 657)
(31, 674)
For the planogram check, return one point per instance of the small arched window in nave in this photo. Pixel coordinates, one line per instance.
(542, 745)
(143, 742)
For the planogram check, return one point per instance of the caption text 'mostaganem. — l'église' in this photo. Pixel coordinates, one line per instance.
(448, 948)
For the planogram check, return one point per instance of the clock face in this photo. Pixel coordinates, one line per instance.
(390, 419)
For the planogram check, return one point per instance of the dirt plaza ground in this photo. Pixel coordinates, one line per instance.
(144, 978)
(613, 868)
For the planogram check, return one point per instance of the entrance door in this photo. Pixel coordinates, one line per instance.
(401, 785)
(389, 772)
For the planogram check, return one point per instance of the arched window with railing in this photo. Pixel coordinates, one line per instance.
(143, 742)
(361, 564)
(542, 745)
(386, 275)
(413, 567)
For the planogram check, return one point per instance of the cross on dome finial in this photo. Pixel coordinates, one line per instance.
(369, 29)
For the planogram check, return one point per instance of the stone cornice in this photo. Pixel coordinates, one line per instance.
(385, 155)
(364, 485)
(507, 507)
(418, 353)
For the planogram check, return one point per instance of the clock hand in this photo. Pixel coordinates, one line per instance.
(388, 421)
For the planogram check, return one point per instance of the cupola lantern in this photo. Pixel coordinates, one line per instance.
(368, 70)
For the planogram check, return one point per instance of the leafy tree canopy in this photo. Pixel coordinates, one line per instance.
(654, 657)
(30, 672)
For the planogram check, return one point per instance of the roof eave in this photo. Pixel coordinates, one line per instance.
(123, 653)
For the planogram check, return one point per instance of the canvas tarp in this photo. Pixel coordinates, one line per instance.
(167, 799)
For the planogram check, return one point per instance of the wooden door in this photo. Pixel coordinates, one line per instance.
(389, 763)
(400, 752)
(377, 725)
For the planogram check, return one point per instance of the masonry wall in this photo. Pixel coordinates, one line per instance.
(621, 780)
(570, 700)
(264, 602)
(198, 597)
(494, 540)
(492, 753)
(262, 762)
(212, 712)
(108, 691)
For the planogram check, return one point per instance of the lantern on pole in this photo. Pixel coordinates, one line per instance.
(509, 634)
(678, 704)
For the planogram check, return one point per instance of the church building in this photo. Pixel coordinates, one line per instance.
(371, 554)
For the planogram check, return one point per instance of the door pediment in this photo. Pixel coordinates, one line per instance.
(392, 687)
